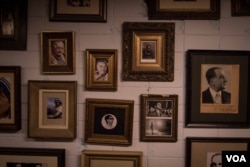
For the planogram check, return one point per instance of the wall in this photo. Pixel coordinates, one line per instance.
(228, 33)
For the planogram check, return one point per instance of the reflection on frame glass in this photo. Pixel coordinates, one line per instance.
(10, 98)
(52, 109)
(159, 117)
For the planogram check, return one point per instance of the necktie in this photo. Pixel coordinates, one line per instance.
(217, 98)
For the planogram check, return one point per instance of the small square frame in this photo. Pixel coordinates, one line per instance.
(62, 42)
(159, 114)
(95, 158)
(52, 109)
(148, 51)
(210, 149)
(103, 57)
(32, 156)
(202, 111)
(183, 9)
(97, 129)
(13, 33)
(240, 7)
(10, 86)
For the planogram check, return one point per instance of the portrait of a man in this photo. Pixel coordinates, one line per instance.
(54, 108)
(148, 50)
(57, 55)
(101, 69)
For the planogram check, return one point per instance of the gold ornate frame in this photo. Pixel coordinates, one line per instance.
(157, 64)
(110, 58)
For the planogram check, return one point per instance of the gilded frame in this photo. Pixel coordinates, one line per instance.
(148, 51)
(52, 109)
(210, 149)
(202, 111)
(62, 42)
(13, 16)
(159, 115)
(95, 158)
(10, 86)
(240, 8)
(107, 81)
(83, 12)
(97, 129)
(183, 10)
(32, 156)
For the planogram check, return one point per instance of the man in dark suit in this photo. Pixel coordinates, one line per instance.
(215, 93)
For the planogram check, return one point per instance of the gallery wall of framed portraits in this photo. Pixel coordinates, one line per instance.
(94, 82)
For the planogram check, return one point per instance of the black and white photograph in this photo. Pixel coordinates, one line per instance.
(148, 53)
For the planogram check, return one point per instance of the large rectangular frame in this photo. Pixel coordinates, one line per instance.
(34, 156)
(96, 11)
(183, 10)
(95, 158)
(159, 114)
(13, 16)
(10, 85)
(52, 109)
(148, 51)
(99, 58)
(235, 107)
(97, 129)
(240, 8)
(58, 41)
(210, 149)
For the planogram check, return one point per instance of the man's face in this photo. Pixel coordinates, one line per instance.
(4, 103)
(59, 48)
(101, 68)
(110, 121)
(219, 81)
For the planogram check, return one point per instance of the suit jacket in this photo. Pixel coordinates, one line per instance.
(207, 97)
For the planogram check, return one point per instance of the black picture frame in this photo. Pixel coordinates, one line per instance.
(240, 8)
(13, 16)
(233, 113)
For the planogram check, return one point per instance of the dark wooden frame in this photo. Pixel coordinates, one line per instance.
(91, 57)
(168, 117)
(74, 16)
(239, 8)
(122, 112)
(155, 12)
(17, 41)
(232, 115)
(58, 154)
(40, 131)
(16, 125)
(202, 146)
(161, 68)
(47, 37)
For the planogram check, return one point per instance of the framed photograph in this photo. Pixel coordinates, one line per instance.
(183, 9)
(217, 88)
(13, 22)
(96, 158)
(101, 69)
(78, 10)
(31, 157)
(159, 114)
(210, 150)
(148, 51)
(109, 121)
(52, 109)
(58, 52)
(240, 7)
(10, 98)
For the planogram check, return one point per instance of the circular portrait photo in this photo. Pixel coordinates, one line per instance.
(109, 121)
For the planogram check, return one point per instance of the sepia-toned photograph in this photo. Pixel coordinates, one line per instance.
(148, 53)
(58, 52)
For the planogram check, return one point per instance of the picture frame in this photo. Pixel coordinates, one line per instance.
(52, 107)
(109, 121)
(231, 82)
(148, 51)
(101, 69)
(95, 158)
(13, 32)
(240, 7)
(210, 149)
(10, 156)
(58, 52)
(159, 114)
(81, 11)
(10, 90)
(183, 10)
